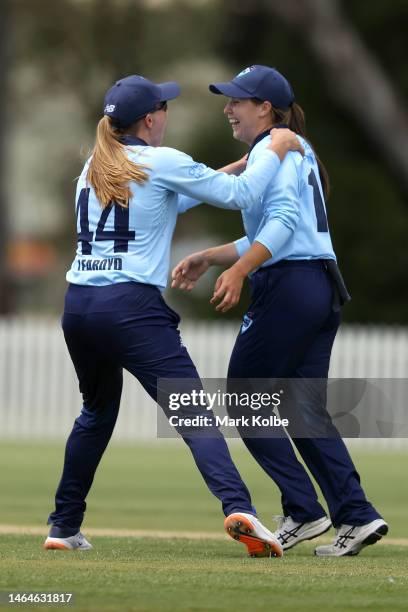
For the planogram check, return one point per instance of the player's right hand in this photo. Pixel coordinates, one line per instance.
(241, 164)
(284, 140)
(188, 271)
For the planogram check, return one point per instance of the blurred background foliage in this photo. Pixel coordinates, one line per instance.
(58, 59)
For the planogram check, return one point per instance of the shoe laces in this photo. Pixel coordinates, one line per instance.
(342, 534)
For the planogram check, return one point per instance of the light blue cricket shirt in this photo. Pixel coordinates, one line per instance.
(290, 217)
(119, 244)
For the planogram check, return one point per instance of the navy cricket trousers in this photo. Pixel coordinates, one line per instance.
(288, 332)
(128, 325)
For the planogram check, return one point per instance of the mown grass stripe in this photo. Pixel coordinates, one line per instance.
(149, 533)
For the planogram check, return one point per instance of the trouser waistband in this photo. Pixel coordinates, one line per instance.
(341, 294)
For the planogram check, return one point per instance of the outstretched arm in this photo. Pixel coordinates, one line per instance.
(179, 173)
(185, 203)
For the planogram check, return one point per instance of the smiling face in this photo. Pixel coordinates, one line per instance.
(247, 118)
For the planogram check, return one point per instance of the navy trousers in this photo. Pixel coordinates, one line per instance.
(129, 326)
(288, 332)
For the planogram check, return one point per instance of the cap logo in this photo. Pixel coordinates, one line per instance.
(109, 108)
(245, 71)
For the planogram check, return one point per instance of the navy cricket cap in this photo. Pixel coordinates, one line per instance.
(262, 82)
(134, 97)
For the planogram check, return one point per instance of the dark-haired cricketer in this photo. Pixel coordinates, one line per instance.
(290, 326)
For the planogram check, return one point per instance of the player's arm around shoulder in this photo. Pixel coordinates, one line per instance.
(181, 174)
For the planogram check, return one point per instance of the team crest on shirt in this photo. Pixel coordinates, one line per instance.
(197, 170)
(246, 322)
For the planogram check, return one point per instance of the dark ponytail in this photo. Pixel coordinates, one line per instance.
(297, 123)
(294, 118)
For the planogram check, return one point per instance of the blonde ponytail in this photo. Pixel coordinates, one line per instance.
(110, 170)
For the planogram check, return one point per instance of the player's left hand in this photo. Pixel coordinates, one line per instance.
(228, 289)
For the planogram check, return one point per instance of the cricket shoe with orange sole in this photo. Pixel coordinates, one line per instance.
(246, 528)
(75, 542)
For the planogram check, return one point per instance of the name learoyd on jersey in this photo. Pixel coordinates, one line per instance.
(109, 263)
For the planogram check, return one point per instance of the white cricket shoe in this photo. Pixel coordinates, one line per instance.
(349, 539)
(289, 532)
(75, 542)
(247, 529)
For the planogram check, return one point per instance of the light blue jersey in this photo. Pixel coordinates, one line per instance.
(118, 244)
(290, 217)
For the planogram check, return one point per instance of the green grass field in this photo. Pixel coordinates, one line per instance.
(157, 488)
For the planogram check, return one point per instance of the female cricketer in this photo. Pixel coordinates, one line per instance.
(127, 200)
(290, 326)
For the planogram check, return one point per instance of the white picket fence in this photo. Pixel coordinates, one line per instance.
(39, 396)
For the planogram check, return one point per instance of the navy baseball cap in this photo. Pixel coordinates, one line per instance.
(262, 82)
(133, 97)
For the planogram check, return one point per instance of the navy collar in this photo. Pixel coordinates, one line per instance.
(260, 137)
(264, 134)
(133, 140)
